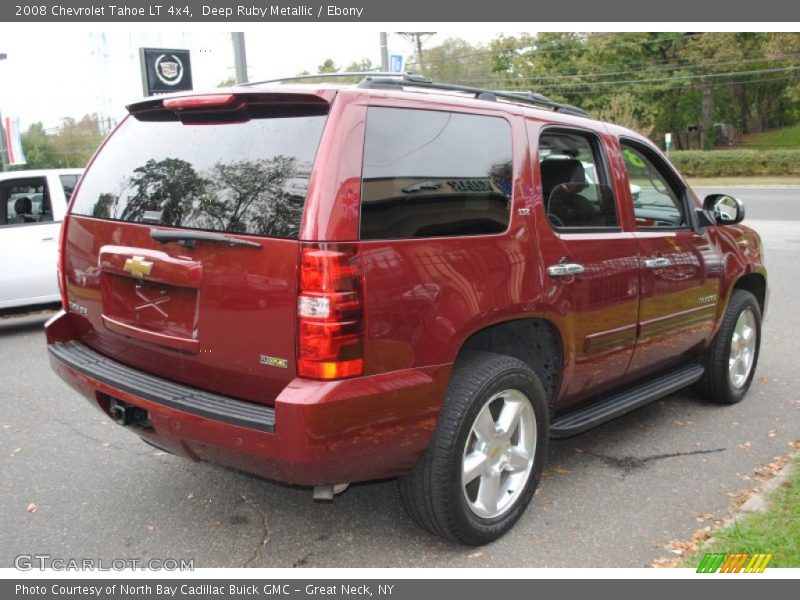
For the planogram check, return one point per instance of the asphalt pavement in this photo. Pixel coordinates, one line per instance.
(75, 485)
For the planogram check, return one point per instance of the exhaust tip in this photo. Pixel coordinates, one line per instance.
(327, 492)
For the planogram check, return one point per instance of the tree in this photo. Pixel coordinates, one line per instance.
(328, 67)
(416, 38)
(357, 66)
(170, 187)
(661, 82)
(76, 141)
(38, 146)
(458, 61)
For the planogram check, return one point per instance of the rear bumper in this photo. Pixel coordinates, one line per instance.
(316, 433)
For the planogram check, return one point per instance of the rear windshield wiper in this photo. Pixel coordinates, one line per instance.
(190, 238)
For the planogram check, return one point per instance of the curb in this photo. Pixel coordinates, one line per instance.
(746, 187)
(759, 501)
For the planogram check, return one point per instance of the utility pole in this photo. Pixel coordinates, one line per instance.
(239, 56)
(384, 52)
(706, 116)
(416, 37)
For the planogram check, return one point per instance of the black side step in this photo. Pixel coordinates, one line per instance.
(621, 403)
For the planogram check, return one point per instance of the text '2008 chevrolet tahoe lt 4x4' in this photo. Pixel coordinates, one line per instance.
(322, 284)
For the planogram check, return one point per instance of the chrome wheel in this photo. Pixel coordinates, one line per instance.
(743, 349)
(499, 454)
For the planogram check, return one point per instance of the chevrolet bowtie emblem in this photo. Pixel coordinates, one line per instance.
(138, 266)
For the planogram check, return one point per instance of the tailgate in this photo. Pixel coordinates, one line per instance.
(181, 250)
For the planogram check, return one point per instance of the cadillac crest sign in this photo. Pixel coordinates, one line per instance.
(165, 70)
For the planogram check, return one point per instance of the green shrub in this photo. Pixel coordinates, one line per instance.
(733, 163)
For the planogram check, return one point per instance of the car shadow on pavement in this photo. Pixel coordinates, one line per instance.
(21, 323)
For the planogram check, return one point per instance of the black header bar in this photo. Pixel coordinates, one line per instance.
(374, 11)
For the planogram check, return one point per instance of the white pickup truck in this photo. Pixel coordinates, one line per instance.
(32, 206)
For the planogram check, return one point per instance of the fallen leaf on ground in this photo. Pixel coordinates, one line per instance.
(560, 470)
(682, 548)
(772, 432)
(746, 446)
(702, 534)
(763, 379)
(666, 563)
(475, 555)
(151, 527)
(32, 508)
(704, 517)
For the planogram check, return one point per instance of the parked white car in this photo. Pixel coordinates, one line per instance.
(32, 206)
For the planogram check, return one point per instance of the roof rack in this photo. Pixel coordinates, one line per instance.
(323, 76)
(384, 80)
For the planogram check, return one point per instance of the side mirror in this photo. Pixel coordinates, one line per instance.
(723, 209)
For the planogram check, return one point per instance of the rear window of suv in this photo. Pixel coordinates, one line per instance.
(433, 173)
(249, 177)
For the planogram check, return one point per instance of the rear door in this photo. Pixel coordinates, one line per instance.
(182, 251)
(29, 240)
(590, 262)
(680, 267)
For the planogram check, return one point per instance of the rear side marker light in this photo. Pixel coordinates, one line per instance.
(330, 312)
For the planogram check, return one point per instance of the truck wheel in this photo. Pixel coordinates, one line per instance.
(731, 360)
(484, 462)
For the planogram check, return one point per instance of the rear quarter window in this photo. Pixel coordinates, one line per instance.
(433, 173)
(249, 177)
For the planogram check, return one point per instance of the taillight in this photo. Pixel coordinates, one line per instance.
(60, 270)
(330, 312)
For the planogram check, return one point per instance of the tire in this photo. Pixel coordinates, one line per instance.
(508, 463)
(722, 383)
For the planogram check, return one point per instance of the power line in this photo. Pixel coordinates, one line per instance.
(545, 47)
(675, 67)
(664, 88)
(655, 80)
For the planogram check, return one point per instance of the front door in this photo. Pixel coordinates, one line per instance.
(680, 269)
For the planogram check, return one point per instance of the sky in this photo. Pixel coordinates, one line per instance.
(52, 73)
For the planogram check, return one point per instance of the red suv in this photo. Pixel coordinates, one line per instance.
(324, 284)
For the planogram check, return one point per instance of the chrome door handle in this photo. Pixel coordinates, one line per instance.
(657, 263)
(564, 270)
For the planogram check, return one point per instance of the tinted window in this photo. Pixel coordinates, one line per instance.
(25, 202)
(574, 186)
(655, 200)
(429, 173)
(68, 182)
(249, 177)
